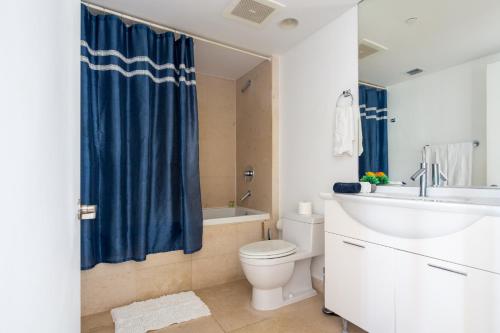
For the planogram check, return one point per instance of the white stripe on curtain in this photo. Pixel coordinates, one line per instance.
(372, 108)
(113, 67)
(105, 53)
(363, 115)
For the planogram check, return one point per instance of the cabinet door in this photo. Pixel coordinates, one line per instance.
(437, 296)
(360, 282)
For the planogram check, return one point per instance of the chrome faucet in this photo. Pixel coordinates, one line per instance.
(422, 174)
(246, 195)
(437, 175)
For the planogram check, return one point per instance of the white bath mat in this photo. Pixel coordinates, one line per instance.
(153, 314)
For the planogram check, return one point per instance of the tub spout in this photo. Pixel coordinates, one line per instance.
(246, 195)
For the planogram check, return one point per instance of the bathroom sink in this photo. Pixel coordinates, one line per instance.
(400, 212)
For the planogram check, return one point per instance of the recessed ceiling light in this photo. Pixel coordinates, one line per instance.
(412, 20)
(289, 23)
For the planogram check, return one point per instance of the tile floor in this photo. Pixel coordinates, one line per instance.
(232, 312)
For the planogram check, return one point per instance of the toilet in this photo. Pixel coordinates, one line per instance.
(280, 270)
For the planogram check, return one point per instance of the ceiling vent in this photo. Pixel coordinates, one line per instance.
(255, 12)
(415, 71)
(367, 48)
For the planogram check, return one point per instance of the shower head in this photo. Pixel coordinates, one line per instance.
(247, 85)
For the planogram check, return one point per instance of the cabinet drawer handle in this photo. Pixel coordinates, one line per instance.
(354, 244)
(447, 269)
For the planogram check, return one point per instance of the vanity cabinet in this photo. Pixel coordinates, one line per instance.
(399, 275)
(435, 296)
(362, 288)
(384, 290)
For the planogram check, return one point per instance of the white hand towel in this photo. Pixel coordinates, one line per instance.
(360, 131)
(347, 123)
(460, 164)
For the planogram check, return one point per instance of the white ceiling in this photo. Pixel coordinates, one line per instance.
(447, 33)
(205, 18)
(221, 62)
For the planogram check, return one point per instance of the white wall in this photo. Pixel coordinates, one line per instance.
(312, 75)
(493, 120)
(39, 168)
(443, 107)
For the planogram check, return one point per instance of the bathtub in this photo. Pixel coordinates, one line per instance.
(226, 215)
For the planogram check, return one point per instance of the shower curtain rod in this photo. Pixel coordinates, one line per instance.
(179, 32)
(372, 85)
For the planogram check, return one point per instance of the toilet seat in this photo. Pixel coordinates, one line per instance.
(268, 249)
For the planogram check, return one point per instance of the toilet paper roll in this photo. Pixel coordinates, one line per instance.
(305, 208)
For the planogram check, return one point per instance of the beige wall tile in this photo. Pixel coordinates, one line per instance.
(218, 240)
(164, 258)
(110, 285)
(162, 280)
(217, 191)
(217, 123)
(103, 293)
(249, 232)
(210, 160)
(254, 138)
(105, 270)
(216, 270)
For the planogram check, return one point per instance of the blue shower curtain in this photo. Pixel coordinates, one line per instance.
(373, 109)
(139, 142)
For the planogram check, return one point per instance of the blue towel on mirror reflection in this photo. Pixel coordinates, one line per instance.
(347, 187)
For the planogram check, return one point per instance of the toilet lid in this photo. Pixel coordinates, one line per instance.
(268, 249)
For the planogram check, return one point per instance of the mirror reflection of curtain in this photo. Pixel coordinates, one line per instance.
(139, 143)
(373, 109)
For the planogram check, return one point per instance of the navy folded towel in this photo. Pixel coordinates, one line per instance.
(347, 187)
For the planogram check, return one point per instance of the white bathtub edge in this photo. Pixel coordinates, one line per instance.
(237, 219)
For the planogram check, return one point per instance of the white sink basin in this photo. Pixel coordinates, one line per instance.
(398, 211)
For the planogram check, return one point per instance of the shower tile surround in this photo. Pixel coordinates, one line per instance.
(254, 136)
(110, 285)
(217, 128)
(235, 131)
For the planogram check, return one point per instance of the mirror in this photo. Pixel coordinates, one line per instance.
(429, 75)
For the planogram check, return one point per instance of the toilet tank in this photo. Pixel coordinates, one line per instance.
(305, 231)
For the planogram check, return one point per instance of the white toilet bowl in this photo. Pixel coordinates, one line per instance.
(267, 267)
(280, 270)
